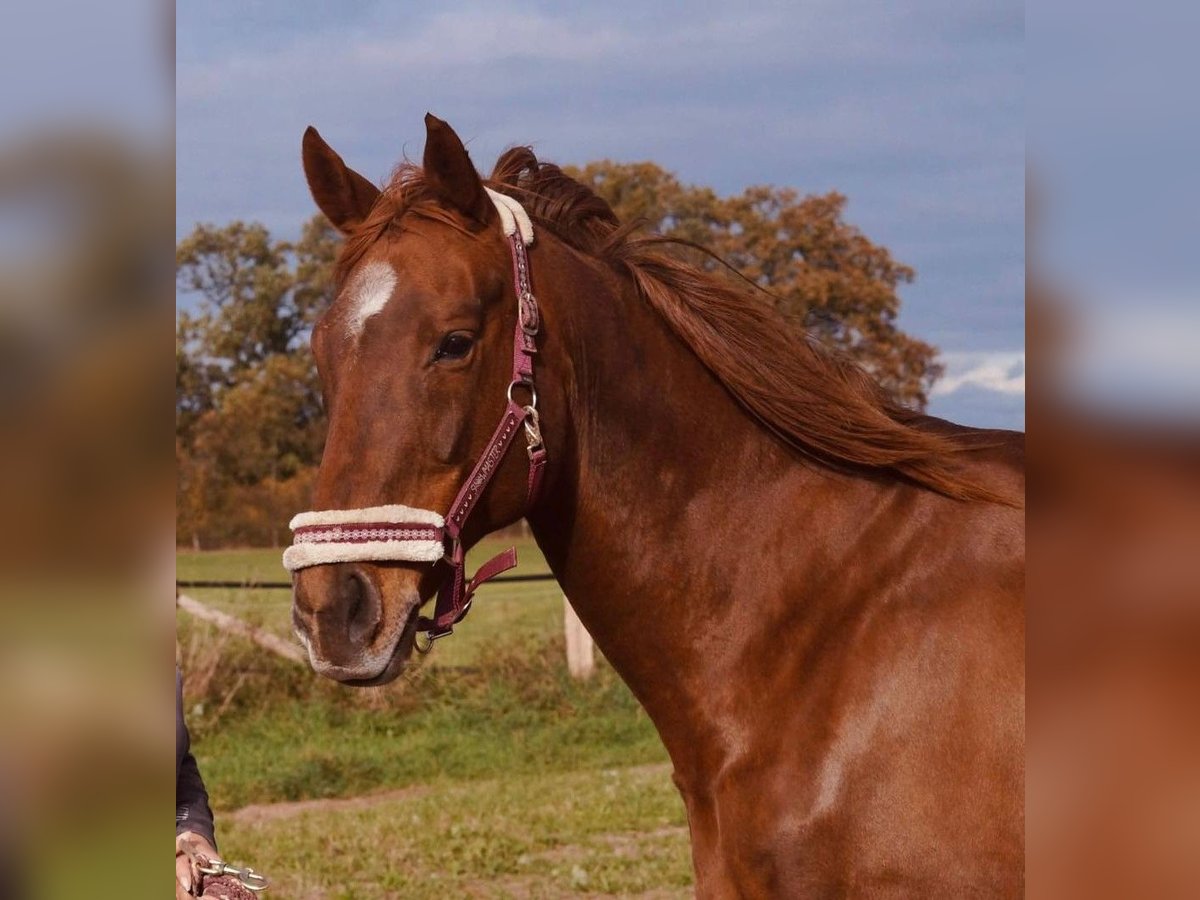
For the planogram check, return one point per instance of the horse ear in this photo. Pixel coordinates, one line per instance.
(449, 170)
(344, 196)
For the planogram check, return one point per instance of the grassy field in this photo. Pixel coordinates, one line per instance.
(607, 832)
(484, 772)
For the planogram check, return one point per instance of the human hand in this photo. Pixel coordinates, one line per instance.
(189, 849)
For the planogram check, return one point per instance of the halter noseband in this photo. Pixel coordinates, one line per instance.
(398, 532)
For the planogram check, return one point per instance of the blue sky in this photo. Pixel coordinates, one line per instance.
(914, 111)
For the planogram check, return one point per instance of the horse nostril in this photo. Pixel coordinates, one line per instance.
(302, 608)
(337, 607)
(362, 606)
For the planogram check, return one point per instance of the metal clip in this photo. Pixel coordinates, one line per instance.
(533, 429)
(249, 879)
(423, 641)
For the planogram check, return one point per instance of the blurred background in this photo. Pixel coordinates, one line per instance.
(86, 195)
(864, 162)
(902, 129)
(1113, 652)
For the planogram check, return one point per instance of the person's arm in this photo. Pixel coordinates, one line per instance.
(194, 831)
(192, 812)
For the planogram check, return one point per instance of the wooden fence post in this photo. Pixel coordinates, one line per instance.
(581, 651)
(233, 625)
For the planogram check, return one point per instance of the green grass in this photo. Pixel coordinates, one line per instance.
(606, 831)
(518, 781)
(515, 713)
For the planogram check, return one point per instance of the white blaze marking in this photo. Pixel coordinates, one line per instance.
(369, 293)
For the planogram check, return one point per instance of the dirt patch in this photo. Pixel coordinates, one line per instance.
(258, 813)
(512, 886)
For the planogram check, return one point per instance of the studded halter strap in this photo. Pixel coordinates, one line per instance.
(398, 532)
(454, 598)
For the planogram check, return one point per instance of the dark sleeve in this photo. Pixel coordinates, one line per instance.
(192, 812)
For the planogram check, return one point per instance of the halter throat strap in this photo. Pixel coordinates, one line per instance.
(398, 532)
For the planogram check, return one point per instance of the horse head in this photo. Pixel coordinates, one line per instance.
(415, 357)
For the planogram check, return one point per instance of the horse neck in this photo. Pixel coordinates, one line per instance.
(656, 490)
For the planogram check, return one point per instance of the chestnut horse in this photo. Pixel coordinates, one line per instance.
(816, 594)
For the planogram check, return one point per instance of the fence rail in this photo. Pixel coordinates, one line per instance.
(287, 585)
(580, 649)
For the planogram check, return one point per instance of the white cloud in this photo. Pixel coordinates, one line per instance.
(1135, 353)
(1000, 371)
(483, 37)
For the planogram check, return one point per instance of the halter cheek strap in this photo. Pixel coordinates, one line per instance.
(398, 532)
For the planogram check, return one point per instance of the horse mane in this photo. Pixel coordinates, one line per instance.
(812, 398)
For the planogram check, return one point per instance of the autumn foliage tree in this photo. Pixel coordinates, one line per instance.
(249, 422)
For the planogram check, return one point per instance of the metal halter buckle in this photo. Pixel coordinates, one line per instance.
(451, 546)
(530, 317)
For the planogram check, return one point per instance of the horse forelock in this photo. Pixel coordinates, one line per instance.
(407, 193)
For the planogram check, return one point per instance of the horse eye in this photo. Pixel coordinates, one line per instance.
(454, 346)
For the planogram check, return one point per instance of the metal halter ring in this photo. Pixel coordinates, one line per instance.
(532, 391)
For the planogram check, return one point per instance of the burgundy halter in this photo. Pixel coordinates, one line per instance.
(454, 597)
(403, 533)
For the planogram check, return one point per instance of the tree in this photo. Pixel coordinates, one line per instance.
(823, 273)
(249, 421)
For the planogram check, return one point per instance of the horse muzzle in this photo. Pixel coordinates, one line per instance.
(358, 622)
